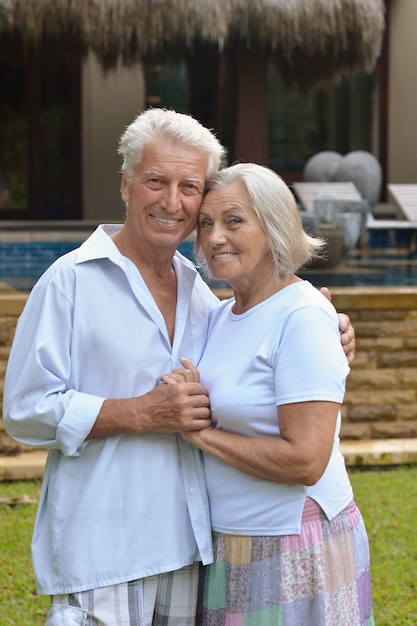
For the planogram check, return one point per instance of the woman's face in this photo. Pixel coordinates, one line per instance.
(231, 237)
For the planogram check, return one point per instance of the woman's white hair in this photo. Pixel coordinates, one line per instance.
(167, 125)
(277, 211)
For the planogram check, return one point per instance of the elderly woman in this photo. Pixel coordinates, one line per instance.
(290, 543)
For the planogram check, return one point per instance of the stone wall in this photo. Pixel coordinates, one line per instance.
(381, 394)
(11, 305)
(381, 390)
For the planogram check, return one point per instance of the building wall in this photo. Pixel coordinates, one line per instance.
(402, 100)
(110, 101)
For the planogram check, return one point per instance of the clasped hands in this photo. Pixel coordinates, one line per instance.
(194, 414)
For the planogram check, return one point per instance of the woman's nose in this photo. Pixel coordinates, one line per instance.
(217, 236)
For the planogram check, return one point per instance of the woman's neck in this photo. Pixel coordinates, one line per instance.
(248, 296)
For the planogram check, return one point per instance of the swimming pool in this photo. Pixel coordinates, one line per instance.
(22, 263)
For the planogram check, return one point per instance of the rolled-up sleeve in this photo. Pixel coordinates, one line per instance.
(40, 406)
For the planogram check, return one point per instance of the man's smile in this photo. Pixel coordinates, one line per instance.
(166, 220)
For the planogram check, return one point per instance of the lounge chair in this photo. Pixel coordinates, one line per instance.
(308, 192)
(404, 198)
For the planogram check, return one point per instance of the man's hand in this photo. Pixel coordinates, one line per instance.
(176, 407)
(187, 398)
(169, 408)
(346, 330)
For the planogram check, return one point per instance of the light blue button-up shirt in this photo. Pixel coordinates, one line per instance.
(122, 507)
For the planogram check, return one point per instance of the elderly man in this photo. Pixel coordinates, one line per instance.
(123, 518)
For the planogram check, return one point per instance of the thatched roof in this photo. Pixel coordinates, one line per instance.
(315, 39)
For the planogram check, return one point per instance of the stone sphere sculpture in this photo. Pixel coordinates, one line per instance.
(364, 171)
(321, 167)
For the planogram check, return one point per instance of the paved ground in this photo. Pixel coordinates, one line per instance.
(30, 465)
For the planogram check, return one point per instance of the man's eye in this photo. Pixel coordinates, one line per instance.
(192, 189)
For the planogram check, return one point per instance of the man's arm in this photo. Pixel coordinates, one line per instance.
(346, 330)
(165, 409)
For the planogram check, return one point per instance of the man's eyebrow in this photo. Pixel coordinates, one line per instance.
(154, 173)
(188, 179)
(200, 181)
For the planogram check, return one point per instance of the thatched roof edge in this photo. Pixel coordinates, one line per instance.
(343, 35)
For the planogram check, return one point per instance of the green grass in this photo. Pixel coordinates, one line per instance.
(19, 604)
(388, 502)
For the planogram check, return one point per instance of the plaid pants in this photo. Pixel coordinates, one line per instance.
(168, 599)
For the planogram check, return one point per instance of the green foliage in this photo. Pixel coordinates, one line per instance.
(387, 499)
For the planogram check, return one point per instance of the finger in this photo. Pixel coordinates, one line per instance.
(350, 356)
(191, 370)
(166, 378)
(169, 379)
(344, 324)
(196, 389)
(326, 293)
(183, 375)
(198, 423)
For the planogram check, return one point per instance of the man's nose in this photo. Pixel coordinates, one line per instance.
(171, 199)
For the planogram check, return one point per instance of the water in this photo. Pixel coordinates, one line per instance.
(22, 263)
(374, 266)
(369, 268)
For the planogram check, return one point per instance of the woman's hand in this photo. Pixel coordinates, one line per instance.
(189, 374)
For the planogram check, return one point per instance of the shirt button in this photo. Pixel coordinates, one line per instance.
(192, 490)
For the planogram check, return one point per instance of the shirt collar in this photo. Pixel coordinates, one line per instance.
(100, 245)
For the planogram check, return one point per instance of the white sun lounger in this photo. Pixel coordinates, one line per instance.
(404, 196)
(308, 192)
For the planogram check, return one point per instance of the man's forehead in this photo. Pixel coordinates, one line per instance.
(167, 158)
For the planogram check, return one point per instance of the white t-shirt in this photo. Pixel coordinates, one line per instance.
(286, 349)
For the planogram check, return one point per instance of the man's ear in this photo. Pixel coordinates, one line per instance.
(124, 188)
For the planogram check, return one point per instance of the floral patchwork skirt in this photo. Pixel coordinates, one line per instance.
(318, 578)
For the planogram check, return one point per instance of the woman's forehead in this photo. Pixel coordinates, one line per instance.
(234, 192)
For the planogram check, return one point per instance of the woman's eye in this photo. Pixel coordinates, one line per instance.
(205, 224)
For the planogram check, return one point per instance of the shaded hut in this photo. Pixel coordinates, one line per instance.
(310, 40)
(226, 46)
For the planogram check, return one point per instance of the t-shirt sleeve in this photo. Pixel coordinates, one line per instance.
(310, 363)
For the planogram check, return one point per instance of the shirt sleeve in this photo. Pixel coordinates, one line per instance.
(311, 364)
(39, 407)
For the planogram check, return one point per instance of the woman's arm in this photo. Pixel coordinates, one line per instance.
(299, 456)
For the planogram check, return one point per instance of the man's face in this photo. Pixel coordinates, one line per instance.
(164, 195)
